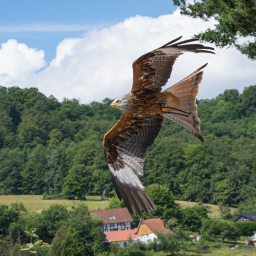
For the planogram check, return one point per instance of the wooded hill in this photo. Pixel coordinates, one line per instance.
(56, 147)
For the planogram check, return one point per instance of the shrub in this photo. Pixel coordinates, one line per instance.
(246, 228)
(221, 229)
(52, 197)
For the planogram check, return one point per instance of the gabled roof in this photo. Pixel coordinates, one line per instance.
(154, 225)
(249, 216)
(121, 235)
(117, 215)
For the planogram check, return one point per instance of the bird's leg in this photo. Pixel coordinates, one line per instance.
(165, 107)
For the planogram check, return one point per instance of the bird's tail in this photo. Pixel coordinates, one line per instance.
(186, 113)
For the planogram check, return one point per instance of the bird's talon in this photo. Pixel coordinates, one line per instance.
(164, 107)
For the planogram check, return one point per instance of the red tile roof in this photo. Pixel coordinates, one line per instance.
(121, 235)
(120, 214)
(155, 225)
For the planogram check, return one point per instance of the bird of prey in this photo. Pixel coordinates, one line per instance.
(144, 109)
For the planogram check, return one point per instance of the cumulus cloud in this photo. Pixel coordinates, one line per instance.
(99, 64)
(18, 62)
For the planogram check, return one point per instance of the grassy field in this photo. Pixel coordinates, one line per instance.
(216, 252)
(215, 249)
(35, 203)
(213, 207)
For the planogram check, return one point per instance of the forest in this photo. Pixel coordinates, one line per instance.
(53, 147)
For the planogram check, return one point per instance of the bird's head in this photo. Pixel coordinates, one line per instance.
(122, 103)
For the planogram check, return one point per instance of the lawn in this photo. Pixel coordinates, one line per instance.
(35, 202)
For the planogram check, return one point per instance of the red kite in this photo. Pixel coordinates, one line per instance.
(144, 110)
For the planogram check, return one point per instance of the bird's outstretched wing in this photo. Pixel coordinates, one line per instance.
(125, 147)
(152, 70)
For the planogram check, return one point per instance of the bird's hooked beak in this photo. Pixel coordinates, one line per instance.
(112, 105)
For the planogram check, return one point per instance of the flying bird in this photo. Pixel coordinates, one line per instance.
(144, 109)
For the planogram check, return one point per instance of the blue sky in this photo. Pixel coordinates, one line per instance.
(85, 49)
(43, 24)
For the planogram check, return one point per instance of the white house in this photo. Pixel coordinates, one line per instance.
(147, 230)
(114, 219)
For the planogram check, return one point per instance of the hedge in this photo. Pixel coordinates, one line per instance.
(246, 228)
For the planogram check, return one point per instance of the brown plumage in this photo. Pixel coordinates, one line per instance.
(144, 109)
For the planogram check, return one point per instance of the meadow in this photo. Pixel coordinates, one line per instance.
(34, 203)
(212, 207)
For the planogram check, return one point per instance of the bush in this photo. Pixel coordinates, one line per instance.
(32, 220)
(52, 197)
(221, 229)
(191, 217)
(171, 242)
(246, 228)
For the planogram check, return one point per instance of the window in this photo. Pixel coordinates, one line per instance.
(112, 217)
(128, 225)
(102, 218)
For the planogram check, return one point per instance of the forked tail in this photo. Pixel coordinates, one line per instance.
(186, 113)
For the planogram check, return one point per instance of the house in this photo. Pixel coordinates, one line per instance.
(195, 237)
(245, 217)
(120, 236)
(147, 230)
(114, 219)
(253, 238)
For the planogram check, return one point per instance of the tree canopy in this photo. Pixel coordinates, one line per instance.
(53, 147)
(236, 18)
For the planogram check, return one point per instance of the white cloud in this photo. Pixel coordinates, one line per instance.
(18, 62)
(99, 64)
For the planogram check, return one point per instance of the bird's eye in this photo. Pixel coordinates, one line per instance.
(118, 101)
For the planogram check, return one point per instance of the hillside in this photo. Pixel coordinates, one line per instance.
(56, 147)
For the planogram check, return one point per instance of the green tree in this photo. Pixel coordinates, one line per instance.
(54, 217)
(55, 136)
(34, 219)
(172, 242)
(4, 219)
(164, 202)
(249, 99)
(78, 182)
(191, 217)
(221, 229)
(81, 235)
(235, 18)
(114, 202)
